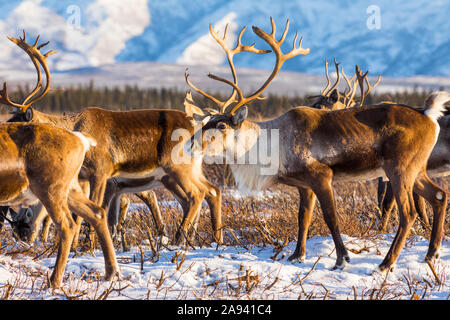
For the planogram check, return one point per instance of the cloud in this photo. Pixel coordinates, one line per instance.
(205, 50)
(107, 25)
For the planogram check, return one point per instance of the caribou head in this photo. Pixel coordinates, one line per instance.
(226, 128)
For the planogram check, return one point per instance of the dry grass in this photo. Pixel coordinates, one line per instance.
(251, 221)
(248, 222)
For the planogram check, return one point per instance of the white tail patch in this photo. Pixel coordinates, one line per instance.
(434, 104)
(86, 140)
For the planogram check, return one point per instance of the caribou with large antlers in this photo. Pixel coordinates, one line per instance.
(134, 148)
(317, 147)
(438, 163)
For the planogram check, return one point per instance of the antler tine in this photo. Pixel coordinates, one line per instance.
(235, 87)
(247, 48)
(274, 27)
(4, 98)
(283, 36)
(336, 64)
(369, 86)
(296, 50)
(224, 31)
(328, 79)
(353, 92)
(360, 78)
(239, 41)
(280, 58)
(37, 40)
(206, 95)
(43, 45)
(351, 84)
(349, 87)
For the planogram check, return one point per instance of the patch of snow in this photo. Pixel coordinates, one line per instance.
(210, 267)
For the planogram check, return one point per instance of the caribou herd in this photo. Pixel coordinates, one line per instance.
(74, 167)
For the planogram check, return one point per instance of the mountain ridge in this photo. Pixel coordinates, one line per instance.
(411, 39)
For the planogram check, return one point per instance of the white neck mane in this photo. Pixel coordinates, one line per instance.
(248, 178)
(256, 172)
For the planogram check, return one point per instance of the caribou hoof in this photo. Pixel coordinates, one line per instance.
(296, 258)
(432, 257)
(382, 270)
(112, 276)
(341, 266)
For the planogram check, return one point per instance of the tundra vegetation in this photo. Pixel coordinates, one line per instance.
(251, 223)
(265, 221)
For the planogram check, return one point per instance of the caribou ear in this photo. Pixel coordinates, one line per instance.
(29, 213)
(239, 116)
(192, 110)
(334, 96)
(29, 114)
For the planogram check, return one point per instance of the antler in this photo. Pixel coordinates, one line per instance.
(280, 59)
(351, 84)
(230, 54)
(363, 77)
(328, 79)
(324, 92)
(38, 60)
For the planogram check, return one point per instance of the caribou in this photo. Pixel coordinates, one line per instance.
(135, 149)
(41, 162)
(26, 221)
(438, 163)
(438, 166)
(317, 147)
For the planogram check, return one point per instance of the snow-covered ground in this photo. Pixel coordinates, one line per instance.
(225, 272)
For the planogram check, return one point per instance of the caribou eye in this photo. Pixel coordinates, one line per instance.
(221, 126)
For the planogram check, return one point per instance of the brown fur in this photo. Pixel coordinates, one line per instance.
(132, 144)
(318, 147)
(27, 220)
(438, 165)
(41, 163)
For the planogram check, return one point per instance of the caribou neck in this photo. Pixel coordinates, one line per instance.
(251, 176)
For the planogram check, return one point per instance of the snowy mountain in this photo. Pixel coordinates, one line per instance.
(391, 37)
